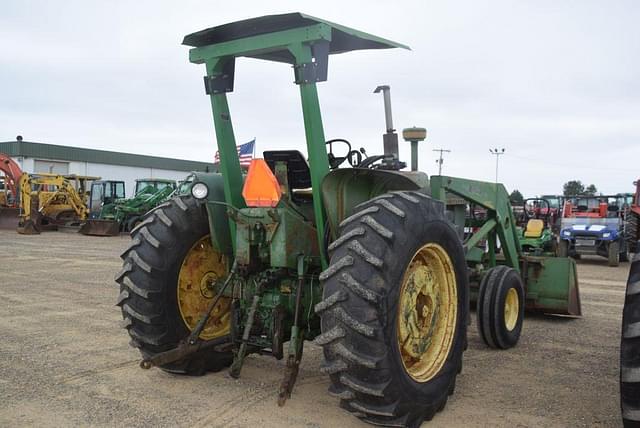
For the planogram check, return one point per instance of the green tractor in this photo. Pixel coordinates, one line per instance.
(104, 193)
(153, 185)
(117, 215)
(369, 260)
(535, 228)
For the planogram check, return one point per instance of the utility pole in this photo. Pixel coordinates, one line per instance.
(497, 153)
(439, 161)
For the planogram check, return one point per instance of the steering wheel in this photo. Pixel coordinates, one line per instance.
(530, 210)
(538, 208)
(353, 156)
(369, 162)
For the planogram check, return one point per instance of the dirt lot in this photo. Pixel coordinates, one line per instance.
(65, 361)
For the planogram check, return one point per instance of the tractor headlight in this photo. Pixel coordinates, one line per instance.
(606, 234)
(199, 190)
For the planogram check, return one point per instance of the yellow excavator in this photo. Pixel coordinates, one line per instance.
(49, 200)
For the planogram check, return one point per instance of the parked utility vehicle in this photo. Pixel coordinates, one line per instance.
(594, 225)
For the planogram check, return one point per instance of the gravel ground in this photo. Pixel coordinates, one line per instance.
(65, 361)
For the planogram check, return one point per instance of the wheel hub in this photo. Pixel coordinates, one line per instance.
(511, 309)
(427, 312)
(208, 285)
(201, 270)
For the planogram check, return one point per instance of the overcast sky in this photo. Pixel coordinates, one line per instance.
(556, 83)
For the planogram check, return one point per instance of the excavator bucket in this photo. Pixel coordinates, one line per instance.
(32, 224)
(552, 285)
(29, 227)
(100, 227)
(8, 218)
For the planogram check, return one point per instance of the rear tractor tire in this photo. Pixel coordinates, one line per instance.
(624, 254)
(630, 350)
(166, 284)
(500, 307)
(394, 310)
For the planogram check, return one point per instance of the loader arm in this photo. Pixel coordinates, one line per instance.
(74, 199)
(143, 202)
(24, 184)
(500, 222)
(70, 194)
(551, 283)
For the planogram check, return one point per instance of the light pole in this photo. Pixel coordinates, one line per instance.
(497, 153)
(439, 161)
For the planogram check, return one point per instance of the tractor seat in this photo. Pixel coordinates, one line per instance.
(298, 173)
(534, 228)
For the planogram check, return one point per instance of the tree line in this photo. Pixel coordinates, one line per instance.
(570, 188)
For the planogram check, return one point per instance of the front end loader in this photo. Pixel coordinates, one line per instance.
(123, 215)
(367, 259)
(104, 195)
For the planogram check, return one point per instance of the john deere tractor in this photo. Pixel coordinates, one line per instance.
(536, 223)
(369, 259)
(112, 213)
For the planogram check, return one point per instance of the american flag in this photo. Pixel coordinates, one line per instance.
(245, 153)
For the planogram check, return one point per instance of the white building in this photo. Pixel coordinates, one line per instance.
(49, 158)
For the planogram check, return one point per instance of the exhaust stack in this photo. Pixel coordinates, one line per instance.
(389, 138)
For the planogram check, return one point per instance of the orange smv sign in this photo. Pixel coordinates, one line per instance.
(261, 188)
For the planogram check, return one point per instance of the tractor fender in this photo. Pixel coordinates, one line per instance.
(216, 210)
(343, 189)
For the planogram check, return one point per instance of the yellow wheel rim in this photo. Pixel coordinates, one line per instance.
(427, 312)
(511, 309)
(202, 269)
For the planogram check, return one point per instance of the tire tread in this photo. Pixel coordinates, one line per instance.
(356, 357)
(630, 349)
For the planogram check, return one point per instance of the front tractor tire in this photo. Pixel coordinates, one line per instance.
(394, 310)
(500, 307)
(165, 286)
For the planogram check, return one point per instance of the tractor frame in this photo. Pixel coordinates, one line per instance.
(277, 257)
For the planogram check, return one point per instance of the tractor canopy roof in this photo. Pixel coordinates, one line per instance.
(270, 35)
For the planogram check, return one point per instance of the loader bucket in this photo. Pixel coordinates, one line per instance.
(552, 285)
(29, 227)
(100, 228)
(8, 218)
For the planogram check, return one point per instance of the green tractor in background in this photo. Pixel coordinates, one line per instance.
(368, 259)
(104, 193)
(111, 216)
(536, 228)
(153, 185)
